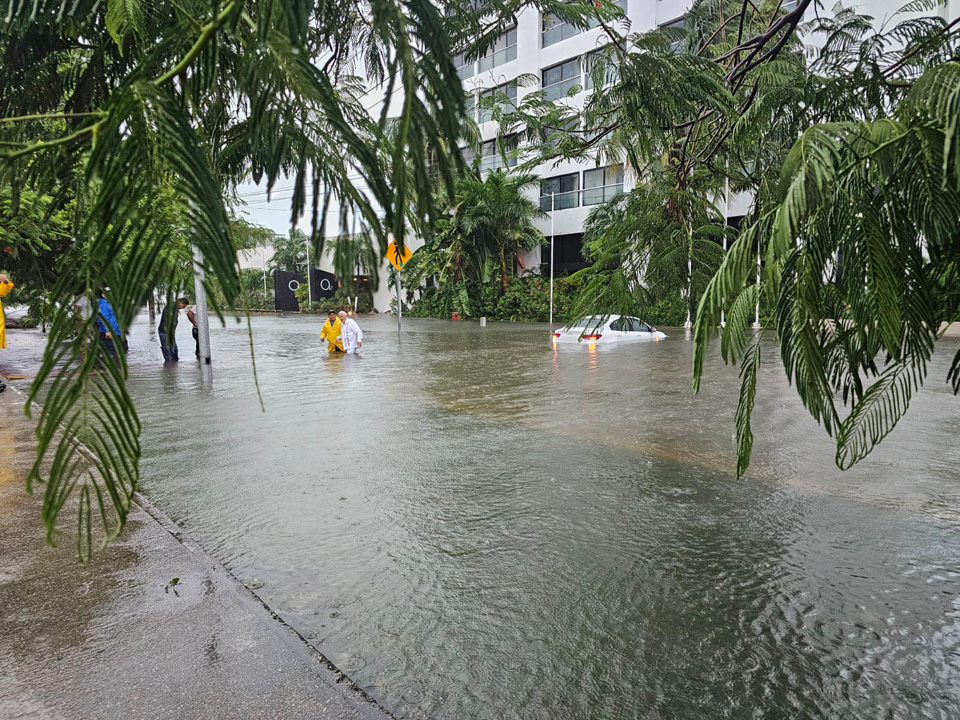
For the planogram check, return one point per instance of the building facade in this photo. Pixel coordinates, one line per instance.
(559, 55)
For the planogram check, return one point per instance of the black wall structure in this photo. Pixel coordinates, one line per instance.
(322, 285)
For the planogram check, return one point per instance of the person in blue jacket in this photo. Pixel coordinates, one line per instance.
(107, 325)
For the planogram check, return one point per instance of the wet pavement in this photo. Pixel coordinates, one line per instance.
(115, 639)
(474, 524)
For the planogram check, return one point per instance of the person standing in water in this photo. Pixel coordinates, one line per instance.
(5, 287)
(170, 354)
(107, 324)
(331, 332)
(192, 317)
(352, 334)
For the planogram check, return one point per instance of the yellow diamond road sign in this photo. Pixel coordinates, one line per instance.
(396, 259)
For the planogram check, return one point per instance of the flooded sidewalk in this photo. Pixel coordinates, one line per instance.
(119, 639)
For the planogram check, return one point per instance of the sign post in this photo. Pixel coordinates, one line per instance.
(398, 259)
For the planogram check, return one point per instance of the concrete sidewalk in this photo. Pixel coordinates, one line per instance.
(112, 639)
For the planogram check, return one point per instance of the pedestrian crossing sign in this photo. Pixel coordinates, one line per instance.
(396, 259)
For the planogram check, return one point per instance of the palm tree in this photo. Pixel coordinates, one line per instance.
(495, 216)
(289, 252)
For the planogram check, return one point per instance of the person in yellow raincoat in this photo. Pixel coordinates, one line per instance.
(332, 333)
(5, 287)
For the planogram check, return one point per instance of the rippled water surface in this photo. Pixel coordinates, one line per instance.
(475, 525)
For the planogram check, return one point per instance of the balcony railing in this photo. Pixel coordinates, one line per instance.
(560, 201)
(602, 194)
(560, 89)
(496, 162)
(488, 62)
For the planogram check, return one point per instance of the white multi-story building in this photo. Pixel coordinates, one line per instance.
(559, 54)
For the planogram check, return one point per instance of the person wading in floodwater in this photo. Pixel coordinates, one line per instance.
(331, 332)
(352, 334)
(5, 287)
(170, 354)
(192, 317)
(107, 325)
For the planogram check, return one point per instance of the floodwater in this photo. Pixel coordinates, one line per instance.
(474, 524)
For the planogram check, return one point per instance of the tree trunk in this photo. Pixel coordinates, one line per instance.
(503, 271)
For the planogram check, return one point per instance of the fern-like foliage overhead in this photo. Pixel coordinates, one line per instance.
(859, 240)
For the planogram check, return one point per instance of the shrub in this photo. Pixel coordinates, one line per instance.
(527, 300)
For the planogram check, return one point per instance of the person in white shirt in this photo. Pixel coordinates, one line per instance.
(351, 333)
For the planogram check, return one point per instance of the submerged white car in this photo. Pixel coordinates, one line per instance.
(607, 329)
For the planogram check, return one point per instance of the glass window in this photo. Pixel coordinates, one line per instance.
(559, 79)
(676, 41)
(568, 256)
(602, 184)
(554, 30)
(505, 105)
(560, 192)
(503, 51)
(490, 157)
(611, 73)
(464, 69)
(470, 106)
(569, 127)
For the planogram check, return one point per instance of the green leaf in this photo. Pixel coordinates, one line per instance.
(124, 17)
(875, 415)
(749, 368)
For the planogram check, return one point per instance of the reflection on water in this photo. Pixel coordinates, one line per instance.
(476, 524)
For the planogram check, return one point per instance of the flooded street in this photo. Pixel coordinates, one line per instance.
(473, 524)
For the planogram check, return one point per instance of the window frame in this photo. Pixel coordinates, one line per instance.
(611, 76)
(486, 114)
(578, 78)
(608, 190)
(548, 201)
(501, 56)
(472, 65)
(678, 22)
(494, 160)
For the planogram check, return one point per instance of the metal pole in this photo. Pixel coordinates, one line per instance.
(203, 319)
(552, 242)
(689, 324)
(309, 290)
(399, 309)
(756, 320)
(263, 258)
(726, 219)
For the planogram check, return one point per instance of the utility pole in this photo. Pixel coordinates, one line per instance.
(263, 259)
(552, 242)
(756, 317)
(309, 290)
(203, 318)
(399, 310)
(726, 219)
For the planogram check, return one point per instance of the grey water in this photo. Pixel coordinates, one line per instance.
(473, 523)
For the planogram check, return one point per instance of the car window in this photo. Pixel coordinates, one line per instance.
(617, 325)
(590, 323)
(645, 328)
